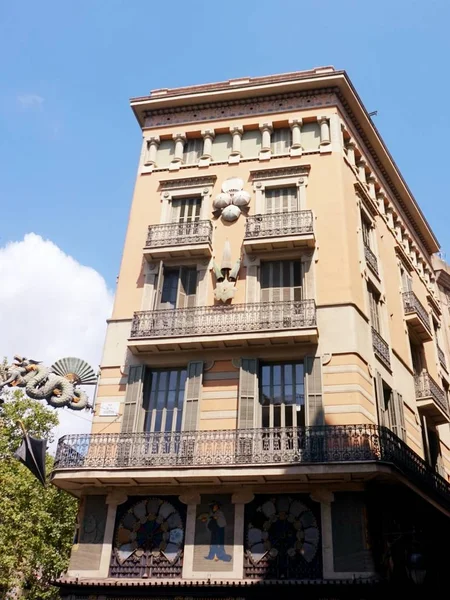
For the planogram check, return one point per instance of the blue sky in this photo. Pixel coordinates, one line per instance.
(69, 143)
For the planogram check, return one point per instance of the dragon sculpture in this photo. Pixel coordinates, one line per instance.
(57, 384)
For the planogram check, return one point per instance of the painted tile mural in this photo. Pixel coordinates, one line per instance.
(214, 534)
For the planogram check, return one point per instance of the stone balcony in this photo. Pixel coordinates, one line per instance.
(416, 316)
(224, 326)
(431, 399)
(296, 454)
(179, 240)
(279, 231)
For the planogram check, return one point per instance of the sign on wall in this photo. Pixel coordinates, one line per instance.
(109, 409)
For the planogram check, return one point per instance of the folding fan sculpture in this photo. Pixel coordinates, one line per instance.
(57, 384)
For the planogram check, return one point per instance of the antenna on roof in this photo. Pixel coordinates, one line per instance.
(373, 114)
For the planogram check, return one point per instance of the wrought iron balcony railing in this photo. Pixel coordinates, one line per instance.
(279, 224)
(179, 234)
(371, 259)
(412, 304)
(233, 318)
(441, 356)
(426, 387)
(380, 348)
(290, 445)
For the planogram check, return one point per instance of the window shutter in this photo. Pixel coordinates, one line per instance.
(192, 395)
(313, 377)
(133, 400)
(248, 381)
(308, 277)
(400, 416)
(251, 283)
(202, 286)
(379, 392)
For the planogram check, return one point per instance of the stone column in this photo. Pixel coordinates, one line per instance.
(324, 130)
(371, 183)
(362, 170)
(152, 149)
(296, 129)
(239, 499)
(326, 497)
(180, 140)
(191, 499)
(350, 147)
(206, 157)
(113, 500)
(236, 133)
(266, 130)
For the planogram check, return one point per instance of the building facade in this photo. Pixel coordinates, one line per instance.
(273, 403)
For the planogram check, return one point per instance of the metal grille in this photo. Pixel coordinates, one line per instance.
(441, 356)
(380, 348)
(412, 304)
(234, 318)
(426, 387)
(279, 224)
(371, 259)
(290, 445)
(178, 234)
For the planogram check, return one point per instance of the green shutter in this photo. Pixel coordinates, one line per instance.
(313, 376)
(192, 395)
(133, 399)
(248, 381)
(379, 393)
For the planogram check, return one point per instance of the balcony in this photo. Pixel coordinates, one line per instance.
(417, 316)
(292, 453)
(279, 231)
(224, 326)
(381, 349)
(371, 260)
(431, 399)
(179, 240)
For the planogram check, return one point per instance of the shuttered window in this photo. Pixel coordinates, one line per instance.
(281, 140)
(366, 231)
(186, 210)
(313, 378)
(281, 200)
(179, 288)
(282, 395)
(133, 400)
(247, 392)
(164, 400)
(192, 395)
(406, 280)
(193, 149)
(281, 280)
(374, 309)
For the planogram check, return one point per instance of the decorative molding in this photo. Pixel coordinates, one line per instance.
(170, 184)
(116, 498)
(276, 103)
(326, 357)
(322, 495)
(368, 202)
(208, 365)
(297, 171)
(236, 362)
(189, 498)
(242, 497)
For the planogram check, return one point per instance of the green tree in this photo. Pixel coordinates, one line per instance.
(36, 523)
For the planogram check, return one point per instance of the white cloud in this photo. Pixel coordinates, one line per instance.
(52, 307)
(30, 101)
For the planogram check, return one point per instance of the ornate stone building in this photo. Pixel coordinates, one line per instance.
(273, 404)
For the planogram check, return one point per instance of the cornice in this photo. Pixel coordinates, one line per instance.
(297, 171)
(166, 184)
(368, 201)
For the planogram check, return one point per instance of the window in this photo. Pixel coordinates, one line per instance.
(417, 357)
(406, 280)
(281, 200)
(179, 287)
(282, 395)
(374, 304)
(193, 149)
(163, 399)
(390, 407)
(366, 231)
(281, 280)
(186, 210)
(281, 141)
